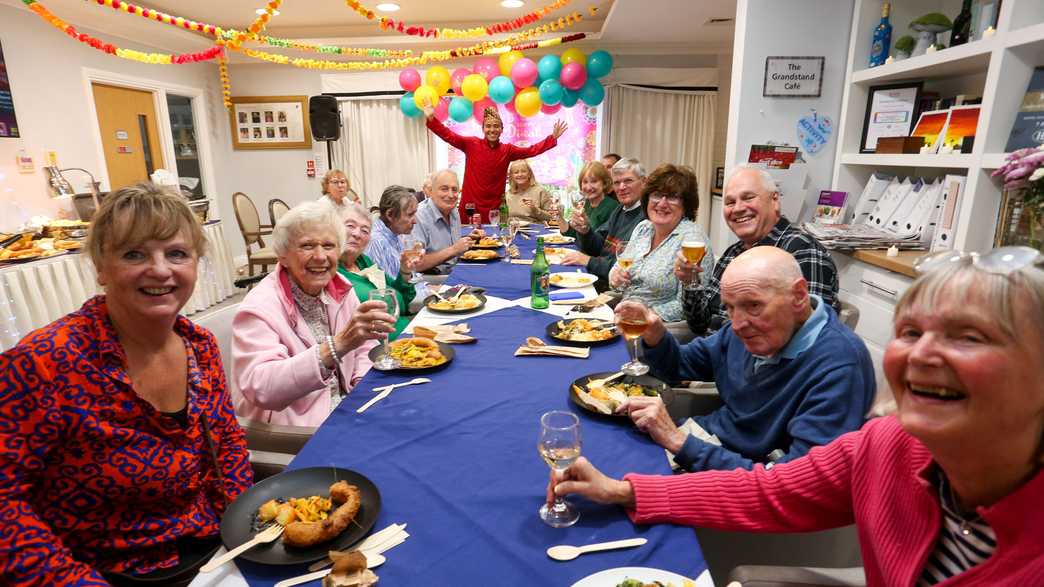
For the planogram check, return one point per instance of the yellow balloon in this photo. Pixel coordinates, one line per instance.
(438, 77)
(474, 87)
(425, 96)
(527, 102)
(508, 59)
(574, 55)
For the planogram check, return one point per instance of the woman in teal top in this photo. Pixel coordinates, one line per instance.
(594, 182)
(364, 274)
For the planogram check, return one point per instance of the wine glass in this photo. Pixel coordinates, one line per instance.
(386, 295)
(625, 262)
(469, 209)
(414, 250)
(559, 445)
(631, 319)
(693, 251)
(494, 216)
(506, 236)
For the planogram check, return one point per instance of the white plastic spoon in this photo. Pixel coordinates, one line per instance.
(565, 552)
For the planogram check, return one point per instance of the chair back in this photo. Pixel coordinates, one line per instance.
(247, 218)
(849, 315)
(275, 438)
(276, 209)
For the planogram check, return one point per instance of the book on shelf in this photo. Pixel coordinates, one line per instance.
(953, 189)
(831, 207)
(1028, 130)
(932, 126)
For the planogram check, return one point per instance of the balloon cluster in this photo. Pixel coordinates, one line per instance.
(522, 85)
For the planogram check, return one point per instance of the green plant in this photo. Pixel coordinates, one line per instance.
(933, 19)
(905, 44)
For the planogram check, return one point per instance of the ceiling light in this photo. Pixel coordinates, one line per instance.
(512, 3)
(387, 7)
(261, 11)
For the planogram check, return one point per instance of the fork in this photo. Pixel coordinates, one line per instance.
(267, 535)
(387, 389)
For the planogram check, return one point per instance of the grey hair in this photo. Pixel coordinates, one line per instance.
(300, 219)
(764, 178)
(394, 200)
(429, 181)
(435, 175)
(628, 164)
(356, 211)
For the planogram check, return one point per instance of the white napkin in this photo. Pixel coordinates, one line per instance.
(376, 276)
(691, 427)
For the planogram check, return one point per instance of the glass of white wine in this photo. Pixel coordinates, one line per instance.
(506, 236)
(414, 250)
(386, 295)
(559, 446)
(693, 251)
(632, 321)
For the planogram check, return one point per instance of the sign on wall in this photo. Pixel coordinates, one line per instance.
(793, 77)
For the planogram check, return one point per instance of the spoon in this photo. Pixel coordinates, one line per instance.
(534, 341)
(566, 552)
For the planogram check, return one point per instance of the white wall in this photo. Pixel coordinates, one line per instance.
(794, 28)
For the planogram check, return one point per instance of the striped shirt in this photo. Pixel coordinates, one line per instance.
(964, 541)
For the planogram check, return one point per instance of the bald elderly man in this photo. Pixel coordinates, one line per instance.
(791, 376)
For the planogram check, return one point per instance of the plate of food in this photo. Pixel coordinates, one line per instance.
(465, 303)
(583, 331)
(416, 354)
(480, 256)
(634, 577)
(557, 238)
(605, 398)
(574, 279)
(28, 255)
(487, 242)
(322, 508)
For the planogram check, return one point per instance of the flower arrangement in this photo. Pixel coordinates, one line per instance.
(1023, 172)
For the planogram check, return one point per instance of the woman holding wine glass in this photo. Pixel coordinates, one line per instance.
(527, 200)
(590, 206)
(671, 200)
(300, 338)
(365, 276)
(388, 297)
(559, 446)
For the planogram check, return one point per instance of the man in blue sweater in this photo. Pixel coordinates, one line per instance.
(791, 376)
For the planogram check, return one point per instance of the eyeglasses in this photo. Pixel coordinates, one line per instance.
(339, 181)
(657, 197)
(1002, 260)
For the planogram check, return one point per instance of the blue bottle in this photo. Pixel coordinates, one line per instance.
(882, 38)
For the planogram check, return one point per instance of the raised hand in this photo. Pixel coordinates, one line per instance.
(428, 108)
(560, 127)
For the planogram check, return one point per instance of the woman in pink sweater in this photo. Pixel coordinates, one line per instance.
(300, 338)
(947, 491)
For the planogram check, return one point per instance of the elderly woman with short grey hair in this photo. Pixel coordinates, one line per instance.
(300, 338)
(398, 214)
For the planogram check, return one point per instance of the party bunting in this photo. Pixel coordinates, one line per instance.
(389, 24)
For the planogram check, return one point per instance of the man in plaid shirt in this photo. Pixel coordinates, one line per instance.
(751, 209)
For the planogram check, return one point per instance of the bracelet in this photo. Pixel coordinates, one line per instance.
(333, 350)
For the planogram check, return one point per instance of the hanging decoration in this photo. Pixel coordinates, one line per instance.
(389, 24)
(226, 85)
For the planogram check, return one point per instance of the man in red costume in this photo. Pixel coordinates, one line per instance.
(487, 159)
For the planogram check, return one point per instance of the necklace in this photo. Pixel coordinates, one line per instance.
(956, 505)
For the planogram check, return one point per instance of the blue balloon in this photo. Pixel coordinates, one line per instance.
(551, 92)
(599, 63)
(501, 89)
(549, 67)
(592, 92)
(408, 106)
(460, 109)
(569, 97)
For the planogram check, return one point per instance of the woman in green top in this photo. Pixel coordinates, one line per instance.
(594, 182)
(364, 274)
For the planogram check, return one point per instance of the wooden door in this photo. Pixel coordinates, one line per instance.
(130, 136)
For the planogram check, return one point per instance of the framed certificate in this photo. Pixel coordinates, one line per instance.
(890, 112)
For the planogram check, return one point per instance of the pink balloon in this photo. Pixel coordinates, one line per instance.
(457, 78)
(487, 67)
(573, 76)
(550, 108)
(524, 72)
(481, 106)
(409, 79)
(510, 105)
(442, 109)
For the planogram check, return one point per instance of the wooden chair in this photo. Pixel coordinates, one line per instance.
(252, 230)
(276, 209)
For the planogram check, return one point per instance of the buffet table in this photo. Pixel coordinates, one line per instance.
(37, 293)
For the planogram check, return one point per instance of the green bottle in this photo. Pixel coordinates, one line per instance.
(503, 213)
(539, 274)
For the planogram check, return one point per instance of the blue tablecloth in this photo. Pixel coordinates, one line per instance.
(502, 279)
(456, 460)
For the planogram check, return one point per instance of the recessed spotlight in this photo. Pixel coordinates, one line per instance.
(387, 7)
(512, 3)
(261, 11)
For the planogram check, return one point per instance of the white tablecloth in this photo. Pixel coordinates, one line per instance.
(35, 294)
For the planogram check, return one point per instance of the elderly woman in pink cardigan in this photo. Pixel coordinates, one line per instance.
(945, 491)
(300, 338)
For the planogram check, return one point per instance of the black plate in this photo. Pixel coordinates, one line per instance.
(662, 388)
(235, 525)
(481, 298)
(553, 331)
(447, 351)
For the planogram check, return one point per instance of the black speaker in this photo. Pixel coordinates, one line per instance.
(325, 119)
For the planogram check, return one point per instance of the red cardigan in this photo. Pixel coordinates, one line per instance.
(876, 477)
(485, 167)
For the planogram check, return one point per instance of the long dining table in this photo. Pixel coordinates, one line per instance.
(456, 459)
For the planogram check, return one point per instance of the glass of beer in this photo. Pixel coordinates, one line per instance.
(559, 446)
(693, 251)
(631, 320)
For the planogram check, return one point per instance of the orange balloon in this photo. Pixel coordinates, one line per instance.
(508, 59)
(527, 102)
(438, 77)
(574, 55)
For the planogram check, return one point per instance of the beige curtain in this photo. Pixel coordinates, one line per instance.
(380, 147)
(664, 126)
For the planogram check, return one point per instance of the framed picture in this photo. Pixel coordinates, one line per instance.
(932, 126)
(890, 112)
(254, 126)
(719, 178)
